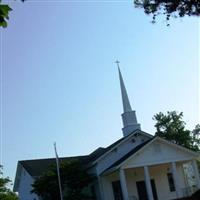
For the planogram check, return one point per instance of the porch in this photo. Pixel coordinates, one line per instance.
(163, 181)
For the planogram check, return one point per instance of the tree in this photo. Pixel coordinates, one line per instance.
(4, 14)
(169, 8)
(4, 11)
(171, 126)
(5, 192)
(196, 136)
(74, 179)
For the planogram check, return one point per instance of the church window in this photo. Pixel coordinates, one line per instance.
(136, 134)
(171, 182)
(117, 190)
(133, 140)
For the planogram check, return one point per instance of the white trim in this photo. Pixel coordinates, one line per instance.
(17, 177)
(195, 154)
(156, 163)
(146, 134)
(115, 146)
(111, 170)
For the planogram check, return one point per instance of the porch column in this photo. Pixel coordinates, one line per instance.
(196, 173)
(148, 183)
(101, 190)
(123, 184)
(176, 179)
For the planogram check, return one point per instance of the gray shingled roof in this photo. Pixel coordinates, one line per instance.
(39, 166)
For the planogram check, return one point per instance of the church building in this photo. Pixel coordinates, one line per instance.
(138, 166)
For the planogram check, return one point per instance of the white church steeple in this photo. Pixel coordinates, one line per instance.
(129, 116)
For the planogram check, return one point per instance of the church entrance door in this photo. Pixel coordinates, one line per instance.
(142, 191)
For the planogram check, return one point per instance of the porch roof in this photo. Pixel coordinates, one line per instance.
(140, 147)
(130, 153)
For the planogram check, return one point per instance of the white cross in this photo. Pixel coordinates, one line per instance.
(117, 62)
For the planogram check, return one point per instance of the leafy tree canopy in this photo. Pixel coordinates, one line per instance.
(4, 11)
(169, 8)
(171, 126)
(5, 192)
(75, 183)
(4, 14)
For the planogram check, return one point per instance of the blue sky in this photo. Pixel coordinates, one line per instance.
(60, 82)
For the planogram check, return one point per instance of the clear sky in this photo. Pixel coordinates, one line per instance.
(60, 82)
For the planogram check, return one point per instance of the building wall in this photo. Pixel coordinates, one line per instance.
(25, 187)
(158, 173)
(107, 185)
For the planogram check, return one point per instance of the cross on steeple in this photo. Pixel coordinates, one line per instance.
(117, 62)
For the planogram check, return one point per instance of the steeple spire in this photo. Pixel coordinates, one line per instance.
(125, 100)
(129, 116)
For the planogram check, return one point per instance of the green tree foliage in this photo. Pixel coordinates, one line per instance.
(4, 14)
(195, 134)
(74, 179)
(5, 192)
(169, 8)
(171, 126)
